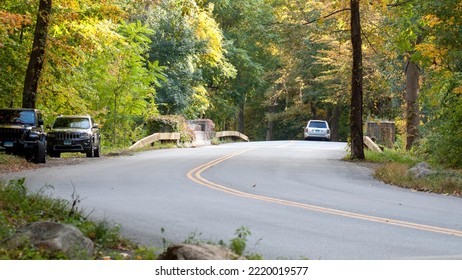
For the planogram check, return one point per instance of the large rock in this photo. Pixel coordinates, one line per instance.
(197, 252)
(54, 237)
(422, 169)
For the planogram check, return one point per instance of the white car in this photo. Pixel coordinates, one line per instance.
(316, 129)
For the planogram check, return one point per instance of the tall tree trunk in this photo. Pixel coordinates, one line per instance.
(356, 114)
(412, 104)
(37, 55)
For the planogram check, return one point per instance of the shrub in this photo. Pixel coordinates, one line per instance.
(170, 123)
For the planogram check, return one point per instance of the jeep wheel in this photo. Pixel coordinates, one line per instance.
(91, 152)
(39, 155)
(97, 150)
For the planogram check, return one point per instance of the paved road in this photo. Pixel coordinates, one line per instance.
(296, 197)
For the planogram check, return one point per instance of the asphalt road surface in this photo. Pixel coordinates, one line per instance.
(297, 198)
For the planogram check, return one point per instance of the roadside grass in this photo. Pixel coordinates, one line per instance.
(391, 155)
(18, 207)
(394, 169)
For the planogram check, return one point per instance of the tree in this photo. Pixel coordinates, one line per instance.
(97, 64)
(356, 113)
(408, 33)
(439, 56)
(37, 56)
(412, 103)
(15, 27)
(248, 28)
(188, 41)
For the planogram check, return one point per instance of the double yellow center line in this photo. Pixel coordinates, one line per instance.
(196, 176)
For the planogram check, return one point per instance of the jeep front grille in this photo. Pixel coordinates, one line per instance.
(67, 136)
(11, 134)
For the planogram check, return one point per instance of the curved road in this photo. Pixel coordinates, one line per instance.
(298, 199)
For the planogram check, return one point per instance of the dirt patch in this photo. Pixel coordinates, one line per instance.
(17, 165)
(371, 165)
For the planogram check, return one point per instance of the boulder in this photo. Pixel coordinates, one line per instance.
(422, 169)
(197, 252)
(52, 236)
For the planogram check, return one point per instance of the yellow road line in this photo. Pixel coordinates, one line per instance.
(195, 176)
(285, 145)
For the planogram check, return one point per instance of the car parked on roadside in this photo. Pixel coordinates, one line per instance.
(74, 134)
(317, 129)
(22, 133)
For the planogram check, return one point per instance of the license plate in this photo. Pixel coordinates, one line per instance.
(8, 144)
(67, 142)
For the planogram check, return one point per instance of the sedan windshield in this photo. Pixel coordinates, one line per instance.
(82, 123)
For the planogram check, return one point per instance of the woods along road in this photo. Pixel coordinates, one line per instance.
(297, 198)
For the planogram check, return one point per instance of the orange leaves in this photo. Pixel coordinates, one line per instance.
(458, 90)
(432, 20)
(10, 22)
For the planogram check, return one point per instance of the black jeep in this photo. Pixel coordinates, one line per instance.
(74, 134)
(21, 133)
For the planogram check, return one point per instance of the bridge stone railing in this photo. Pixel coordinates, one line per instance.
(222, 134)
(155, 137)
(202, 138)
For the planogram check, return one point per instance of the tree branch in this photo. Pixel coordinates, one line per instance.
(327, 16)
(369, 42)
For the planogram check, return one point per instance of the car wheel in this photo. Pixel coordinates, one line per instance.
(97, 150)
(91, 152)
(39, 154)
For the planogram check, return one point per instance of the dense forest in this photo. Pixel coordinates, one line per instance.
(262, 67)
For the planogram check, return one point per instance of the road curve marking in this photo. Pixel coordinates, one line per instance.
(195, 175)
(285, 145)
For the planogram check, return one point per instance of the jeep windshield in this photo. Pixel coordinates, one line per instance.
(17, 117)
(79, 123)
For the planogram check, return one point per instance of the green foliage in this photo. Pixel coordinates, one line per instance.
(170, 123)
(392, 155)
(16, 33)
(443, 142)
(250, 39)
(289, 124)
(102, 234)
(239, 242)
(189, 42)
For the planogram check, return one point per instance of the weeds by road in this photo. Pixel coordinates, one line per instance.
(394, 169)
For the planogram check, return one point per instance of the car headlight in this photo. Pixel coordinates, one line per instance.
(34, 135)
(51, 136)
(85, 136)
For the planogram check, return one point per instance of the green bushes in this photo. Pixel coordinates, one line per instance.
(170, 123)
